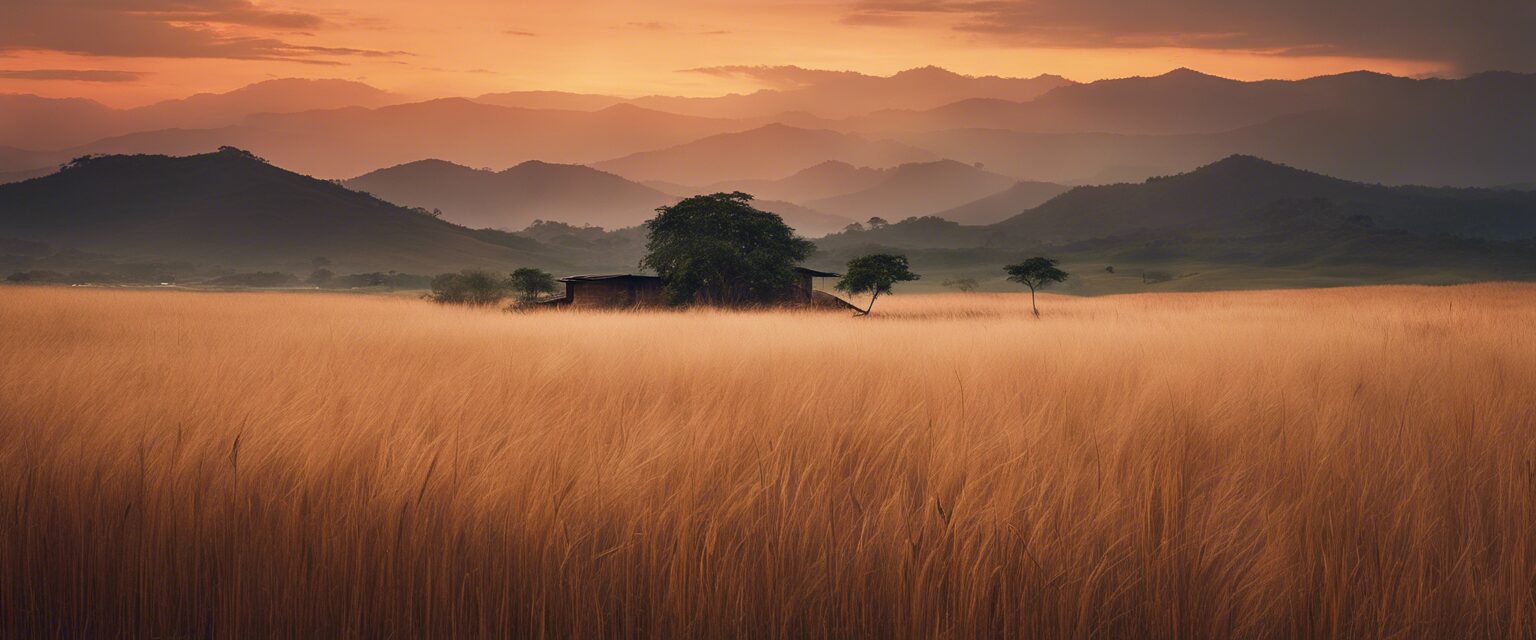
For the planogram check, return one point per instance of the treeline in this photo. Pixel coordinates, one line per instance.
(320, 279)
(484, 288)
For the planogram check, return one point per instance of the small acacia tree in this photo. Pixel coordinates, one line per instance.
(530, 283)
(1035, 273)
(719, 249)
(875, 274)
(471, 286)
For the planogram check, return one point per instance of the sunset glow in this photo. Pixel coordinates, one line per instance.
(162, 49)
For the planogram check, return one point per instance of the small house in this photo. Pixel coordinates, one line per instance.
(619, 290)
(628, 290)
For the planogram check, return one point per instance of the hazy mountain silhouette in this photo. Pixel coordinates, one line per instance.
(1227, 195)
(550, 100)
(8, 177)
(573, 194)
(33, 122)
(229, 208)
(840, 94)
(514, 198)
(1421, 144)
(917, 189)
(769, 152)
(823, 180)
(803, 97)
(347, 142)
(1187, 101)
(1004, 204)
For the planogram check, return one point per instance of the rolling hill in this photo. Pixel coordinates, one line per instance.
(232, 209)
(573, 194)
(1184, 101)
(1223, 196)
(824, 180)
(1474, 131)
(766, 153)
(515, 197)
(1004, 204)
(916, 189)
(48, 124)
(341, 143)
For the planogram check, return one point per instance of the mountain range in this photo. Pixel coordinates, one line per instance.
(48, 124)
(1473, 131)
(1240, 215)
(517, 197)
(230, 208)
(766, 153)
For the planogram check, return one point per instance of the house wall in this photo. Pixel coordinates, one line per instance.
(617, 293)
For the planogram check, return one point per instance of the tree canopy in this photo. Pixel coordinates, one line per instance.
(719, 249)
(875, 274)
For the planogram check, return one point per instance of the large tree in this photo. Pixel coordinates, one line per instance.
(719, 249)
(875, 274)
(1035, 273)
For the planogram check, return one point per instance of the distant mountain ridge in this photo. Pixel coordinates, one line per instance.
(573, 194)
(916, 189)
(1226, 195)
(769, 152)
(230, 208)
(1371, 127)
(515, 197)
(45, 124)
(340, 143)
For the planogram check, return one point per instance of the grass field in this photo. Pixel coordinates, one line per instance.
(1351, 463)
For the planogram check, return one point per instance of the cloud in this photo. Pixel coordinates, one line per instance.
(516, 32)
(1467, 35)
(234, 29)
(77, 75)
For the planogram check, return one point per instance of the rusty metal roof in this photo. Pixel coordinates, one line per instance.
(609, 276)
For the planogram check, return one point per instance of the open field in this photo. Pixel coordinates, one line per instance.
(1321, 463)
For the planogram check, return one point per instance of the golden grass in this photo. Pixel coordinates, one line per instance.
(1332, 463)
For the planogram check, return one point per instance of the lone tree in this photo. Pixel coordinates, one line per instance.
(1035, 273)
(875, 274)
(530, 283)
(719, 249)
(471, 286)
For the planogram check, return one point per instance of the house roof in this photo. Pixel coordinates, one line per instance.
(609, 276)
(620, 276)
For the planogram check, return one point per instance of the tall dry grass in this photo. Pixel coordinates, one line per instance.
(1343, 463)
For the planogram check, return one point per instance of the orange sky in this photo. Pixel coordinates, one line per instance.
(468, 47)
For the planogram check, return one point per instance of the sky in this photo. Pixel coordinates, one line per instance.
(132, 52)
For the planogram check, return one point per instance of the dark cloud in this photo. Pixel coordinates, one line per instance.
(77, 75)
(515, 32)
(1468, 35)
(165, 29)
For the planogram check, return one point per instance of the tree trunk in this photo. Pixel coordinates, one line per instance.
(1032, 302)
(871, 306)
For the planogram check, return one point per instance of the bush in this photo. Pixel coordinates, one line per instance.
(471, 287)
